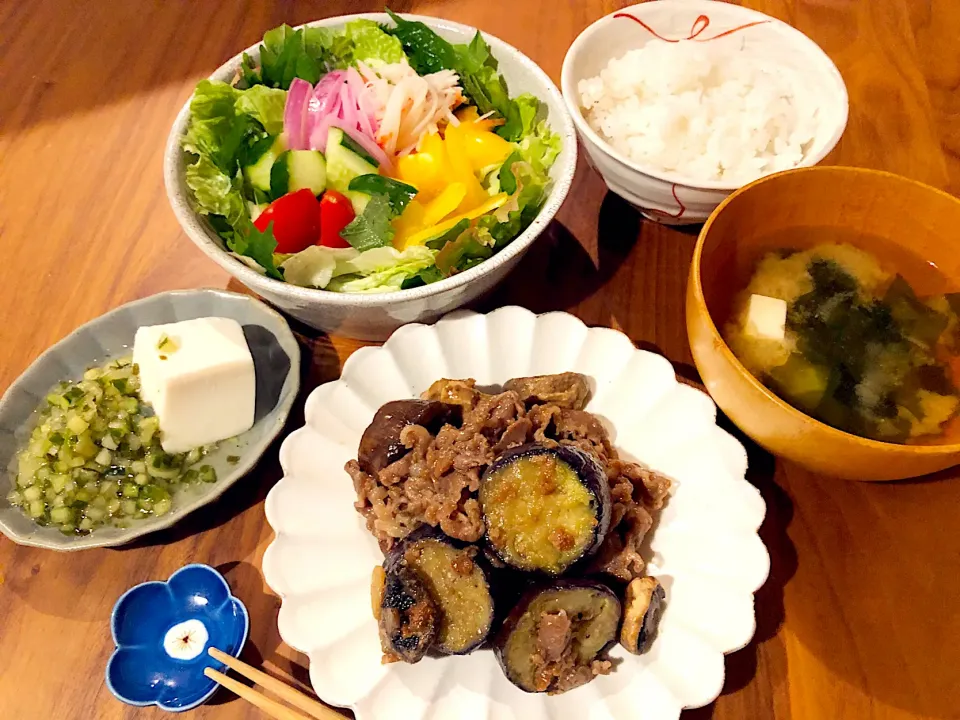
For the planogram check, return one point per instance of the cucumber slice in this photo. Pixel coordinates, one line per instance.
(350, 144)
(258, 174)
(297, 170)
(359, 200)
(343, 164)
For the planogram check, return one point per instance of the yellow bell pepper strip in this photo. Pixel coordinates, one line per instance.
(418, 216)
(483, 148)
(469, 114)
(461, 169)
(428, 169)
(401, 242)
(457, 157)
(444, 204)
(409, 222)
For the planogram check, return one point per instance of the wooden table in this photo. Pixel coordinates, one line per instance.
(860, 617)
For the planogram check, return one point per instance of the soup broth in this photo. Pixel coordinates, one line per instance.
(849, 341)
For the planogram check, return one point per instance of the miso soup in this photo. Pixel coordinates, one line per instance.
(849, 342)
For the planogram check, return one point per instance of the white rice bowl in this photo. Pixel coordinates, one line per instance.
(706, 111)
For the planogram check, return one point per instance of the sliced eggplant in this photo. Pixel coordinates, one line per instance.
(458, 580)
(641, 615)
(545, 508)
(566, 390)
(557, 637)
(381, 445)
(406, 613)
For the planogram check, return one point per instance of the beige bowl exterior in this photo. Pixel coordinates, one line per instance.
(890, 216)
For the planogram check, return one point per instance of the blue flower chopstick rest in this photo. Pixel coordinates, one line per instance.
(162, 631)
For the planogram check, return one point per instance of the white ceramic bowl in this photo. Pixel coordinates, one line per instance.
(375, 316)
(704, 548)
(668, 197)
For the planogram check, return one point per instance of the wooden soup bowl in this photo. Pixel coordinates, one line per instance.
(911, 228)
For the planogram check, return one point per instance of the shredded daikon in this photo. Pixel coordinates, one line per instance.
(408, 106)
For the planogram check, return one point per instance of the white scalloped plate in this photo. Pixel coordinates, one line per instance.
(705, 549)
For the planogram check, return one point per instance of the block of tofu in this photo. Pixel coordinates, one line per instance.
(766, 317)
(198, 375)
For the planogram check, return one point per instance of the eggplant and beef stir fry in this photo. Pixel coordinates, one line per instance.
(508, 519)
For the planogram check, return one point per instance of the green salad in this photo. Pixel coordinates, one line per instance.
(367, 159)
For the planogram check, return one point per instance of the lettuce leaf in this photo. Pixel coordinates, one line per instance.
(424, 277)
(249, 73)
(332, 46)
(388, 258)
(450, 235)
(215, 192)
(464, 252)
(308, 53)
(541, 147)
(481, 81)
(529, 109)
(370, 42)
(222, 131)
(528, 188)
(382, 269)
(227, 130)
(263, 104)
(315, 266)
(285, 55)
(212, 112)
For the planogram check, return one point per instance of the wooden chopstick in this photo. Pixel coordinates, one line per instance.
(271, 707)
(291, 695)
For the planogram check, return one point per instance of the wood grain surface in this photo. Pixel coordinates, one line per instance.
(860, 617)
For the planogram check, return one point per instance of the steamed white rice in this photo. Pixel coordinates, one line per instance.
(706, 111)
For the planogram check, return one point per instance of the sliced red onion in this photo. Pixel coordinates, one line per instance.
(337, 101)
(321, 104)
(318, 135)
(294, 113)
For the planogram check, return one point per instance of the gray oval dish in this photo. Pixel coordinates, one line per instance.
(276, 357)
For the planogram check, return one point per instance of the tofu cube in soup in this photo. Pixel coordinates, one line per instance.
(766, 317)
(199, 377)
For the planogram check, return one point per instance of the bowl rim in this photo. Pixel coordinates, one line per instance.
(721, 345)
(571, 97)
(248, 460)
(191, 224)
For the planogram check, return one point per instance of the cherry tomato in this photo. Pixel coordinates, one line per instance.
(336, 212)
(296, 221)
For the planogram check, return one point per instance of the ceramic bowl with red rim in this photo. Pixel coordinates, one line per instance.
(636, 141)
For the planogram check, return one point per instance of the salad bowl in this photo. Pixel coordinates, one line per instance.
(374, 315)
